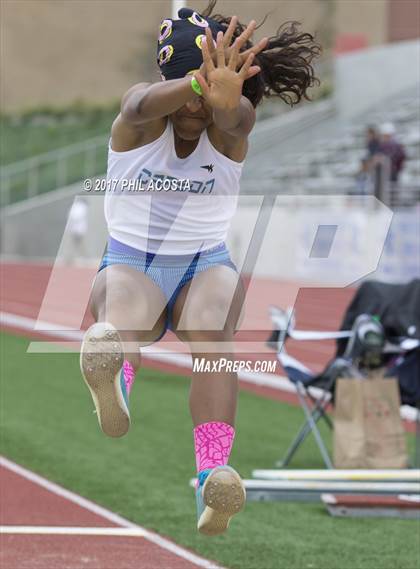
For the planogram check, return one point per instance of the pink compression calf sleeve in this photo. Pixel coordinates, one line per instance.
(129, 375)
(213, 444)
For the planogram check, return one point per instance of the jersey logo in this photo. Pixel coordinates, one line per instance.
(208, 167)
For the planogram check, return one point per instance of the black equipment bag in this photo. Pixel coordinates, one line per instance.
(398, 309)
(397, 306)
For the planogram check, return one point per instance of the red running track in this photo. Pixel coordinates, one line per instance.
(28, 506)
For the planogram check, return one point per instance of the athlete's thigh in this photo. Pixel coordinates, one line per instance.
(212, 301)
(130, 300)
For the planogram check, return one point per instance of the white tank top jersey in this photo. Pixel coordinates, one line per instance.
(159, 203)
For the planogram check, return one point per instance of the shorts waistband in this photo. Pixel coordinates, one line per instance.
(116, 247)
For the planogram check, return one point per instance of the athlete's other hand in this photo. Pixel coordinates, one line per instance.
(223, 87)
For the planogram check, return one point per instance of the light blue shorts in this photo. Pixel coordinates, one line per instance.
(169, 272)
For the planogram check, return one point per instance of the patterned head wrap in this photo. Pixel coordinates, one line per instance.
(179, 43)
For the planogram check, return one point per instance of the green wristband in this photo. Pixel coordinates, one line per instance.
(195, 86)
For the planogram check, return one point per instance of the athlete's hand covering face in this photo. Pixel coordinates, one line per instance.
(222, 88)
(242, 39)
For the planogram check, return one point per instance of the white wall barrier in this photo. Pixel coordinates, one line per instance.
(333, 242)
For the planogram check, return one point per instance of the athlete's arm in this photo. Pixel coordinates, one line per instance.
(144, 109)
(230, 130)
(237, 122)
(144, 103)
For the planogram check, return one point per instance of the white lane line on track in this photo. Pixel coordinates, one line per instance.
(48, 329)
(107, 514)
(279, 382)
(72, 530)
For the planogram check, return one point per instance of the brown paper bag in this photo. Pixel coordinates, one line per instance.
(368, 431)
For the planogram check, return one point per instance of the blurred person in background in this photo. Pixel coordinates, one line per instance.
(393, 150)
(372, 141)
(366, 175)
(77, 229)
(167, 265)
(382, 165)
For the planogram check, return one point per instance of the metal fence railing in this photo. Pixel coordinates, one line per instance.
(56, 169)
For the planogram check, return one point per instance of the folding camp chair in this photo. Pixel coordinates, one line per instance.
(315, 391)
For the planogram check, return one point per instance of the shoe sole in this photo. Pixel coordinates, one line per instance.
(224, 496)
(101, 359)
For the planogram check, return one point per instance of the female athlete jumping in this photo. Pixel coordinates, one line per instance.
(177, 150)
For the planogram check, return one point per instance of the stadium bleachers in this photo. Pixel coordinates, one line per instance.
(330, 165)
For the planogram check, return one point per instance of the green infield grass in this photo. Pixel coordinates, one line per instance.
(48, 425)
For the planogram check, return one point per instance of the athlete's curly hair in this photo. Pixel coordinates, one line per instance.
(286, 62)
